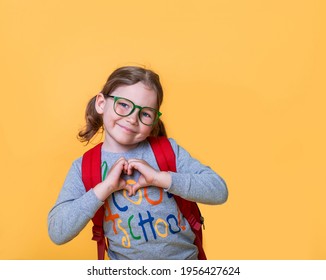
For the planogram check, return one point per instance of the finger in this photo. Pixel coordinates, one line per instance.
(130, 169)
(127, 187)
(142, 167)
(133, 165)
(136, 160)
(119, 163)
(129, 190)
(122, 185)
(125, 167)
(116, 169)
(136, 187)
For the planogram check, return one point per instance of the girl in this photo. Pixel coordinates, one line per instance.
(127, 109)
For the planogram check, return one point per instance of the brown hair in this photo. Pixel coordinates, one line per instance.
(127, 75)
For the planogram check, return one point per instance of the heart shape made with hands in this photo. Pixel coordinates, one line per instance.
(146, 178)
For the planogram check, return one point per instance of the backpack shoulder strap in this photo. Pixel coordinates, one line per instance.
(91, 176)
(91, 171)
(166, 161)
(163, 153)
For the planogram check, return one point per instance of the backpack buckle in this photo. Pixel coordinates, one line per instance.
(202, 220)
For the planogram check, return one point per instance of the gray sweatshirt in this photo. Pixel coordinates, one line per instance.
(148, 225)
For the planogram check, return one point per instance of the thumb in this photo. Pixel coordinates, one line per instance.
(124, 186)
(128, 188)
(136, 187)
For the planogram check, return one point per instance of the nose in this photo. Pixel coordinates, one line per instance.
(133, 118)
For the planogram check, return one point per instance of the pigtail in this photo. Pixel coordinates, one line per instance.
(94, 122)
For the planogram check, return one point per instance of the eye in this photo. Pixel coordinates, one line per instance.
(147, 115)
(123, 105)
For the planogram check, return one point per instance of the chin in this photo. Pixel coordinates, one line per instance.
(130, 141)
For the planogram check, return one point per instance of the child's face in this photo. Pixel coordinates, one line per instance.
(124, 133)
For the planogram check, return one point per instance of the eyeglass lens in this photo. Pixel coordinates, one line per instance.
(124, 107)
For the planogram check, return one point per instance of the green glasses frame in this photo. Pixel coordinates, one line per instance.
(116, 98)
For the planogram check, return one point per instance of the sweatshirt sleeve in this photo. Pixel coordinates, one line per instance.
(195, 181)
(73, 209)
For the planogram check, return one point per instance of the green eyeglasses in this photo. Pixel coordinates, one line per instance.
(125, 107)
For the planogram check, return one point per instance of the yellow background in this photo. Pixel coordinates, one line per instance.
(244, 92)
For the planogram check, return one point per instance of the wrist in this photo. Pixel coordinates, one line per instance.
(102, 191)
(163, 180)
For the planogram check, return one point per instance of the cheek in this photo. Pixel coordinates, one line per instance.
(109, 118)
(146, 130)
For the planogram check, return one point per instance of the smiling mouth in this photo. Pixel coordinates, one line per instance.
(126, 129)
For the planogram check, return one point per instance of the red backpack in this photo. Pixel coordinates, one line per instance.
(165, 157)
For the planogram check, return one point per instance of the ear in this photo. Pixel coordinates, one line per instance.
(100, 103)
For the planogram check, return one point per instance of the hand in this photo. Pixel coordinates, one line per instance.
(148, 175)
(113, 182)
